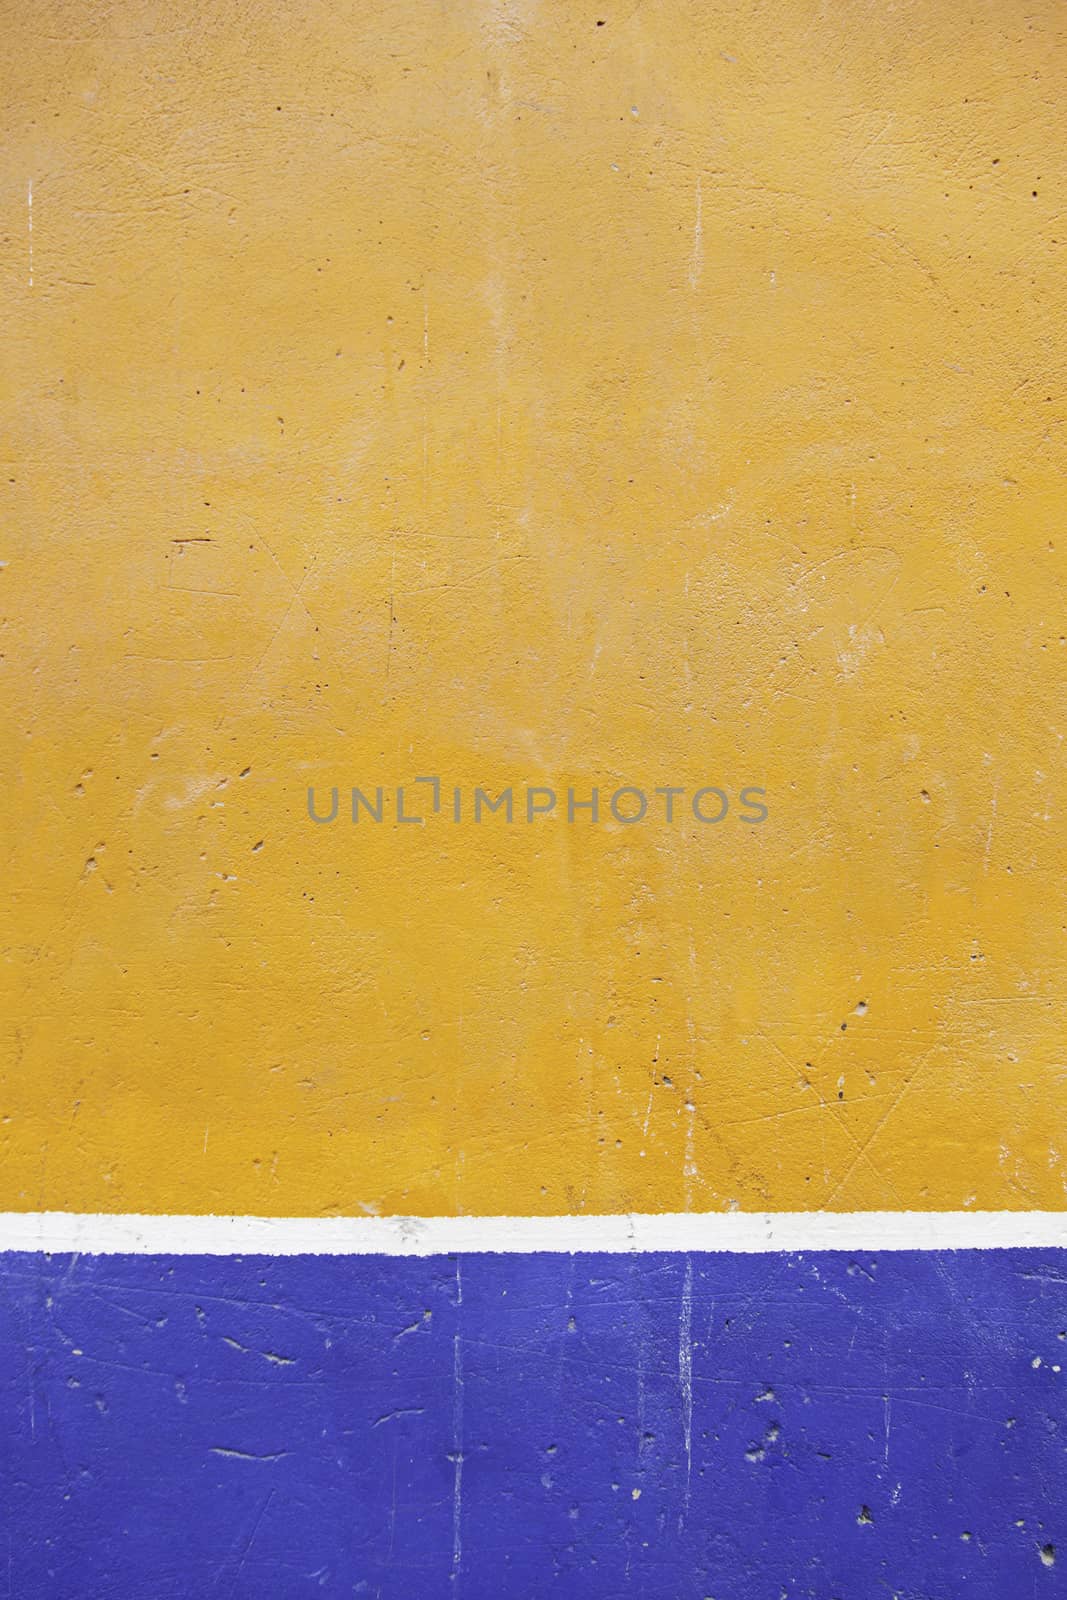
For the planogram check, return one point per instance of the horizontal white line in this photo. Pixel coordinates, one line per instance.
(745, 1232)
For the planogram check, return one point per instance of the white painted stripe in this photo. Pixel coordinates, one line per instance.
(746, 1232)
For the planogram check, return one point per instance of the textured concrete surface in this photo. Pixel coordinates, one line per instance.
(533, 396)
(823, 1427)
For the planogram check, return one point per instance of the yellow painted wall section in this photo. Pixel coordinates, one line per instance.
(533, 394)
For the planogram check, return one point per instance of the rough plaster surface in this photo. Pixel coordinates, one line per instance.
(824, 1427)
(533, 395)
(484, 392)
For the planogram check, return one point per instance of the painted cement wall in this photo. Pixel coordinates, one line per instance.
(843, 1426)
(533, 397)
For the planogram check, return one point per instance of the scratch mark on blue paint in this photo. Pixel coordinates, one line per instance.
(457, 1441)
(685, 1370)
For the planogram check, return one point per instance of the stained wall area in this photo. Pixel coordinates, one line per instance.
(533, 398)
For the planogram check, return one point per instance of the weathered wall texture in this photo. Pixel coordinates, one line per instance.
(555, 396)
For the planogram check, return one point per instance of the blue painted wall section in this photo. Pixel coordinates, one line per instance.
(808, 1427)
